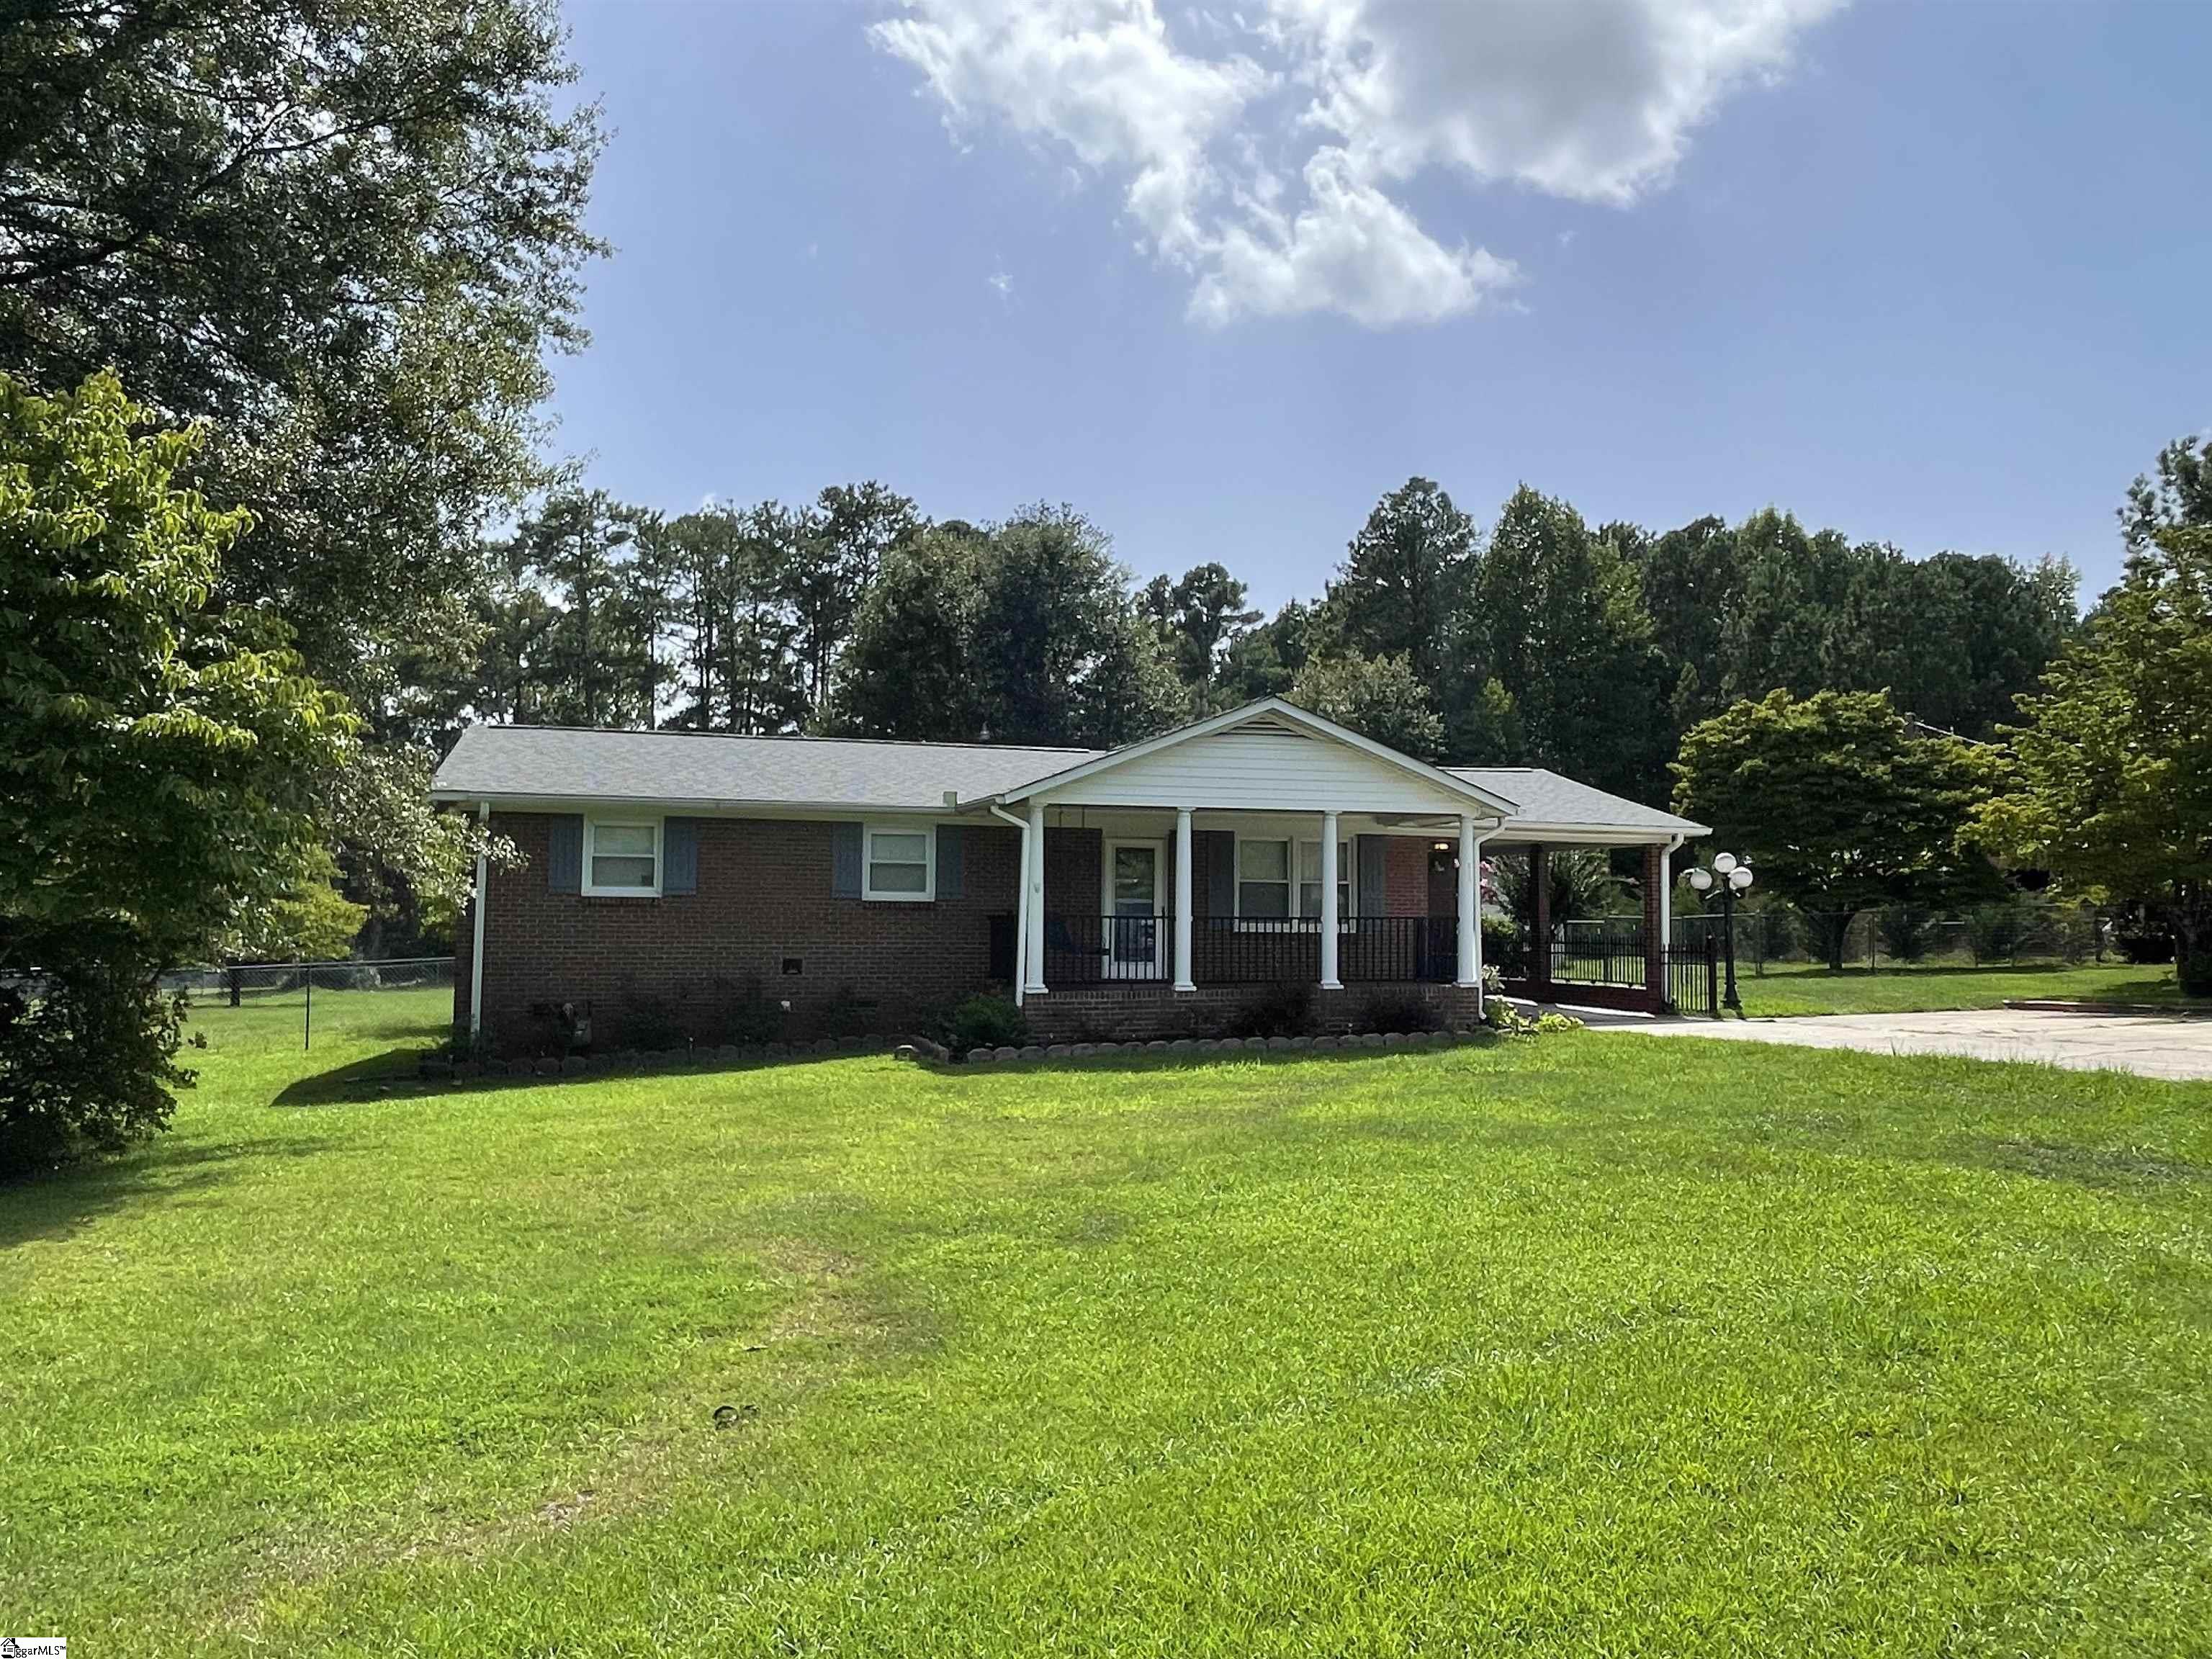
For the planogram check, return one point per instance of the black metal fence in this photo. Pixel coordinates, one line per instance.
(1693, 978)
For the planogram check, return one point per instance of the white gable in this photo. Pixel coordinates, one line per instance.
(1263, 765)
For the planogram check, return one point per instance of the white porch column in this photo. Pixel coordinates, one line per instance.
(1470, 908)
(1035, 878)
(1329, 982)
(1666, 893)
(1183, 979)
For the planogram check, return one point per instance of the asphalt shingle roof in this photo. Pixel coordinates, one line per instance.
(848, 774)
(1548, 797)
(561, 762)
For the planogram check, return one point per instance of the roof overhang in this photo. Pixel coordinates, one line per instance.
(1267, 708)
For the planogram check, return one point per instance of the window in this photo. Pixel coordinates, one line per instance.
(622, 859)
(1309, 880)
(900, 863)
(1263, 880)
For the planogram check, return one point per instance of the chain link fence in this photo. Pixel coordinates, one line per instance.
(336, 992)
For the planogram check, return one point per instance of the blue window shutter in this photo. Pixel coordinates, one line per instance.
(951, 844)
(1220, 873)
(1373, 898)
(845, 861)
(564, 855)
(679, 855)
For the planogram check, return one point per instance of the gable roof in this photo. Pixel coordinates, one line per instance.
(548, 763)
(1269, 712)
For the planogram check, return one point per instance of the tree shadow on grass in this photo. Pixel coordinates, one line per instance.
(55, 1203)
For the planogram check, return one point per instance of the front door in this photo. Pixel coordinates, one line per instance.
(1133, 908)
(1440, 952)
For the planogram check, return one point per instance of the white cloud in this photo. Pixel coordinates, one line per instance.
(1205, 125)
(1002, 282)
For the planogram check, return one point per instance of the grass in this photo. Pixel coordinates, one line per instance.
(1727, 1349)
(1813, 989)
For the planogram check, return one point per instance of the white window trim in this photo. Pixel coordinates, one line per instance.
(1347, 872)
(929, 834)
(591, 844)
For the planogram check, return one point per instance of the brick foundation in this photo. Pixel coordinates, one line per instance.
(1119, 1012)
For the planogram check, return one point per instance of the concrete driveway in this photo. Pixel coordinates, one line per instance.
(2174, 1046)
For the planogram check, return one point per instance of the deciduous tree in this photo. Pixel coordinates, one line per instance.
(166, 758)
(2111, 783)
(1836, 805)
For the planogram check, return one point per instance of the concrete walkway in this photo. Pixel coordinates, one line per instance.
(2152, 1045)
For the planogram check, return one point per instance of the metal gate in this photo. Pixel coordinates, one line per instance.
(1693, 977)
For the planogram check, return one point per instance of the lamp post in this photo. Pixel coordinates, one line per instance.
(1732, 877)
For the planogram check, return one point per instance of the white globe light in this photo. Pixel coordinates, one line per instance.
(1701, 879)
(1723, 863)
(1740, 878)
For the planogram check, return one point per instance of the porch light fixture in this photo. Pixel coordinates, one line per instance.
(1732, 877)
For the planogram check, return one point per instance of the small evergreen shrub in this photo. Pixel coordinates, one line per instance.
(1398, 1010)
(986, 1021)
(1285, 1009)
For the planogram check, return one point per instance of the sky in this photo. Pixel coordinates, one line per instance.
(1221, 277)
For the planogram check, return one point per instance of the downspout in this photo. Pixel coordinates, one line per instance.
(1667, 898)
(475, 952)
(1021, 903)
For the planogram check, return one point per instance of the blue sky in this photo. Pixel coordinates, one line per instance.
(1934, 275)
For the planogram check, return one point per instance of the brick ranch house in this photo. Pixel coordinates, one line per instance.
(1148, 891)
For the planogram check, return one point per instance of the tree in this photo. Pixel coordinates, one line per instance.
(1025, 633)
(1198, 618)
(309, 921)
(1404, 578)
(345, 235)
(1264, 661)
(837, 549)
(738, 665)
(907, 673)
(2111, 782)
(1060, 654)
(1562, 627)
(597, 656)
(1836, 805)
(166, 757)
(1378, 697)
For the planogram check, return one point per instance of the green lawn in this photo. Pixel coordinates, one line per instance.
(1803, 988)
(1591, 1346)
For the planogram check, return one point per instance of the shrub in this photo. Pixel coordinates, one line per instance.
(986, 1021)
(1398, 1010)
(651, 1023)
(1907, 930)
(744, 1014)
(845, 1014)
(87, 1066)
(1285, 1009)
(2142, 941)
(1504, 945)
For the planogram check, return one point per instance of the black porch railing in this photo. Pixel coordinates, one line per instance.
(1082, 949)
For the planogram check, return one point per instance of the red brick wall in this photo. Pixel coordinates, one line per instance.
(764, 896)
(1406, 870)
